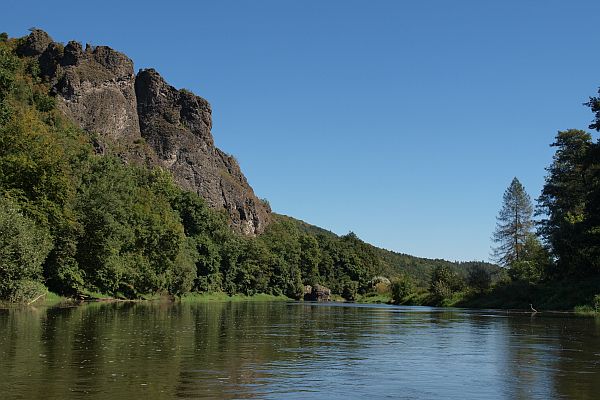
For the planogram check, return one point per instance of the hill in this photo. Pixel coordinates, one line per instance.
(110, 183)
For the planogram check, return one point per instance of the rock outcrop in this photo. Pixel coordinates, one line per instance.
(317, 293)
(176, 124)
(97, 88)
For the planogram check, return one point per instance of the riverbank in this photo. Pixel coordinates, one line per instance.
(575, 297)
(51, 299)
(219, 296)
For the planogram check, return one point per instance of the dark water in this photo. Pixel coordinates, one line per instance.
(294, 350)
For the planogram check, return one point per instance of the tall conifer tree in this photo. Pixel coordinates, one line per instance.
(563, 200)
(514, 225)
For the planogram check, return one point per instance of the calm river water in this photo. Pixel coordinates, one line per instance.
(294, 350)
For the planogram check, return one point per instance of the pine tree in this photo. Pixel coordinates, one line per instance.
(564, 200)
(514, 224)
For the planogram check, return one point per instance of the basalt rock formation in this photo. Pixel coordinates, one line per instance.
(97, 88)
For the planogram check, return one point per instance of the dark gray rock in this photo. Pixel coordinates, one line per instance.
(176, 124)
(34, 44)
(317, 293)
(96, 87)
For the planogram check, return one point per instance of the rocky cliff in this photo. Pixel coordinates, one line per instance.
(97, 88)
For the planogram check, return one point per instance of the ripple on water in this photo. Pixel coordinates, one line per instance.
(295, 350)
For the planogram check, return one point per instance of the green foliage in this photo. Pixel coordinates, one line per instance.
(310, 257)
(444, 282)
(534, 264)
(132, 238)
(596, 303)
(9, 64)
(23, 248)
(594, 105)
(44, 102)
(26, 291)
(479, 278)
(403, 288)
(103, 226)
(563, 201)
(514, 224)
(349, 289)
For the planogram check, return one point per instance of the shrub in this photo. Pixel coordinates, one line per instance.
(403, 287)
(25, 291)
(441, 290)
(380, 284)
(444, 282)
(478, 278)
(23, 248)
(349, 289)
(527, 271)
(596, 302)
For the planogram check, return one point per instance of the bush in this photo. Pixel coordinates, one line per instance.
(26, 291)
(527, 271)
(444, 282)
(441, 290)
(479, 279)
(23, 248)
(596, 303)
(380, 284)
(403, 287)
(349, 290)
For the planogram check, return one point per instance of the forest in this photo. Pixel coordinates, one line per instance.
(84, 224)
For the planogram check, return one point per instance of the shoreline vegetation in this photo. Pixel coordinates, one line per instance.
(81, 221)
(490, 300)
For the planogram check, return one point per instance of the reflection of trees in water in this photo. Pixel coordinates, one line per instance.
(238, 347)
(530, 357)
(243, 350)
(166, 350)
(554, 356)
(578, 369)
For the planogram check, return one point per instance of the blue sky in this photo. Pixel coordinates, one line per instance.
(403, 121)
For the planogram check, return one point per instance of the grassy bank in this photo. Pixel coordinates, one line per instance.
(581, 297)
(208, 297)
(48, 299)
(565, 295)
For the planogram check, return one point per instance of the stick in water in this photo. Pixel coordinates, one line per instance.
(36, 299)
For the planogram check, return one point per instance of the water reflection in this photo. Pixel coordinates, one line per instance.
(294, 350)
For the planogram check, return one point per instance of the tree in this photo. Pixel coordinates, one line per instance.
(479, 278)
(534, 264)
(23, 248)
(444, 282)
(514, 224)
(403, 287)
(594, 105)
(563, 199)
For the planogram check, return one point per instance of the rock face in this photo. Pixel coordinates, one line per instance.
(317, 293)
(97, 88)
(176, 124)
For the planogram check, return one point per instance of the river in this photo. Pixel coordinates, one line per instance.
(300, 350)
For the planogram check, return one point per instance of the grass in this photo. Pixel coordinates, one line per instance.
(221, 297)
(53, 299)
(337, 298)
(50, 299)
(375, 298)
(566, 295)
(586, 311)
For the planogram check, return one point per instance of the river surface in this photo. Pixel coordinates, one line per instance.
(294, 351)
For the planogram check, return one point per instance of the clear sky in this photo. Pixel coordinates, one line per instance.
(403, 121)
